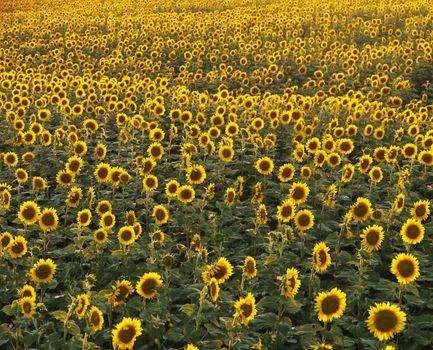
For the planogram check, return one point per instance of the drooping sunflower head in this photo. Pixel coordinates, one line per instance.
(372, 237)
(385, 320)
(147, 285)
(405, 267)
(330, 305)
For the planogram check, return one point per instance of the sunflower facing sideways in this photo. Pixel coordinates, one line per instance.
(405, 267)
(126, 332)
(120, 292)
(96, 319)
(291, 283)
(385, 320)
(246, 309)
(330, 305)
(321, 257)
(221, 270)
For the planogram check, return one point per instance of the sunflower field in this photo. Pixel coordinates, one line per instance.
(203, 174)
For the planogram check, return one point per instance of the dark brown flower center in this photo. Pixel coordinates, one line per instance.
(330, 304)
(126, 334)
(385, 320)
(406, 268)
(43, 271)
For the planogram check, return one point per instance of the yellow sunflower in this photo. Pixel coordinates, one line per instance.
(286, 211)
(6, 239)
(246, 309)
(27, 291)
(82, 302)
(361, 209)
(100, 236)
(160, 214)
(420, 210)
(214, 289)
(120, 292)
(103, 207)
(412, 231)
(43, 271)
(186, 194)
(291, 283)
(330, 305)
(249, 267)
(196, 174)
(27, 306)
(304, 220)
(299, 192)
(321, 257)
(65, 178)
(102, 172)
(171, 188)
(107, 221)
(150, 183)
(96, 319)
(84, 217)
(126, 332)
(18, 247)
(29, 212)
(372, 237)
(221, 270)
(286, 172)
(385, 320)
(126, 235)
(405, 267)
(48, 220)
(265, 165)
(146, 286)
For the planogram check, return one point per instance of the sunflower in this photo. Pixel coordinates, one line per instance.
(185, 194)
(102, 172)
(27, 291)
(120, 292)
(10, 159)
(409, 150)
(191, 347)
(126, 235)
(18, 247)
(398, 204)
(246, 309)
(364, 163)
(372, 237)
(103, 207)
(160, 213)
(84, 217)
(426, 158)
(291, 283)
(405, 267)
(262, 214)
(150, 183)
(82, 302)
(377, 214)
(304, 220)
(21, 175)
(43, 271)
(107, 221)
(171, 188)
(6, 239)
(420, 210)
(74, 196)
(348, 172)
(196, 174)
(412, 231)
(221, 270)
(265, 165)
(130, 217)
(385, 320)
(226, 153)
(27, 306)
(286, 172)
(286, 211)
(39, 183)
(48, 220)
(65, 178)
(321, 257)
(330, 305)
(157, 236)
(100, 236)
(100, 151)
(29, 212)
(322, 346)
(146, 286)
(376, 174)
(299, 192)
(249, 267)
(333, 159)
(155, 151)
(96, 319)
(146, 165)
(230, 196)
(74, 165)
(214, 289)
(345, 146)
(126, 332)
(361, 209)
